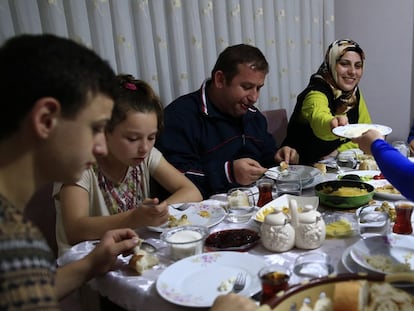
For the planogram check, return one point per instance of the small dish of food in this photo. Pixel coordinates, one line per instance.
(233, 239)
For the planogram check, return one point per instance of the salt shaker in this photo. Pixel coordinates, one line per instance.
(310, 229)
(277, 233)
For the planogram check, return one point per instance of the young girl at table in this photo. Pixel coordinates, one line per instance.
(114, 193)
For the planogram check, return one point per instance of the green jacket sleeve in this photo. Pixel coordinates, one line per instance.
(316, 112)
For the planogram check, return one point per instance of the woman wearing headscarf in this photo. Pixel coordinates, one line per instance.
(332, 98)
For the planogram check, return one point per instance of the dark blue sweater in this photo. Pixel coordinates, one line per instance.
(202, 142)
(396, 168)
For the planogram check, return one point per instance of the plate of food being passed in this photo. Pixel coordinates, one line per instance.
(355, 130)
(206, 213)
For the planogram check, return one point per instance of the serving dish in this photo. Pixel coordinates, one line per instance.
(196, 281)
(324, 189)
(354, 130)
(307, 174)
(232, 239)
(207, 213)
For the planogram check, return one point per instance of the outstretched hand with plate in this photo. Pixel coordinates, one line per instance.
(351, 131)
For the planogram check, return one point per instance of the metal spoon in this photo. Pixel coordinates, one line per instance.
(149, 245)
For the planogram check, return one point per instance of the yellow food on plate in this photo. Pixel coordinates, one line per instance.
(387, 189)
(178, 222)
(283, 166)
(345, 191)
(264, 211)
(339, 228)
(387, 208)
(204, 214)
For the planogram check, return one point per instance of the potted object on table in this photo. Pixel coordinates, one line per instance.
(309, 226)
(278, 235)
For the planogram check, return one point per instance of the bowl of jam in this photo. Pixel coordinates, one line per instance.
(235, 239)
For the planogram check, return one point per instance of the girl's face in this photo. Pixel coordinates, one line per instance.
(349, 71)
(132, 140)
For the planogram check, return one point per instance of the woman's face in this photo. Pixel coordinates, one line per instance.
(349, 69)
(132, 140)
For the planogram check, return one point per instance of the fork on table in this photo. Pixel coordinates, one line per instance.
(239, 283)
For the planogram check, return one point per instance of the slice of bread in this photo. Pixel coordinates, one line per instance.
(321, 167)
(142, 260)
(283, 166)
(351, 296)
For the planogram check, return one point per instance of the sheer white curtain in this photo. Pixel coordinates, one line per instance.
(173, 44)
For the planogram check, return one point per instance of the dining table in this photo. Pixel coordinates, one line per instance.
(125, 288)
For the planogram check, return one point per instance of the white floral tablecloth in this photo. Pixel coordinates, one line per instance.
(125, 288)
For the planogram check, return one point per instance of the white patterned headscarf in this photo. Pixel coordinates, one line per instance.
(336, 50)
(327, 70)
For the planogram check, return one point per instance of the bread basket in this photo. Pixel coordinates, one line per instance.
(344, 283)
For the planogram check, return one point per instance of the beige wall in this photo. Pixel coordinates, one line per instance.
(384, 29)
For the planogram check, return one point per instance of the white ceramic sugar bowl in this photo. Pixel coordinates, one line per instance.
(277, 233)
(310, 229)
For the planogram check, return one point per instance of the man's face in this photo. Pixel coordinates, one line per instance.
(77, 141)
(241, 93)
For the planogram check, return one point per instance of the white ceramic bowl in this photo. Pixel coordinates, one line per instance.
(185, 241)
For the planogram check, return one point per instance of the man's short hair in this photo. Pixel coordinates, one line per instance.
(37, 66)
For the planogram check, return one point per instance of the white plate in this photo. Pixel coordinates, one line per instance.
(377, 183)
(194, 281)
(349, 264)
(283, 201)
(213, 207)
(385, 195)
(398, 248)
(355, 130)
(352, 267)
(307, 173)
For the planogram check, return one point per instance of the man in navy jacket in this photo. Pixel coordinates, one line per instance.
(215, 135)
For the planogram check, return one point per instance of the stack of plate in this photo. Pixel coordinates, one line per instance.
(381, 255)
